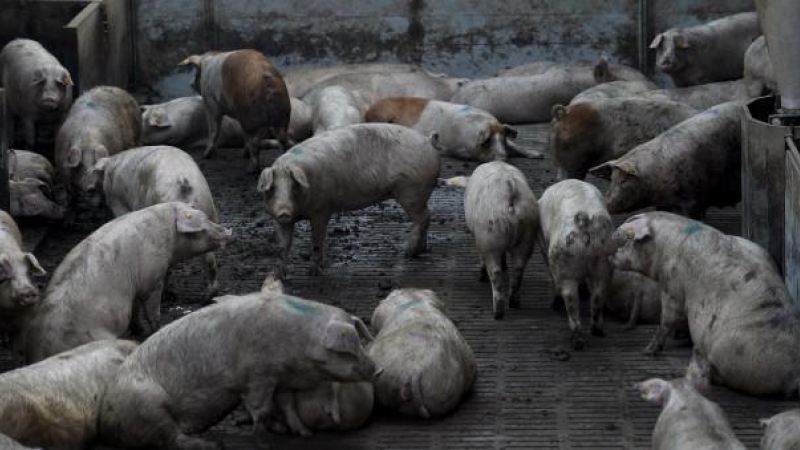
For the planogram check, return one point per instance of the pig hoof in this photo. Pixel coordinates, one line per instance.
(499, 312)
(577, 340)
(597, 331)
(514, 302)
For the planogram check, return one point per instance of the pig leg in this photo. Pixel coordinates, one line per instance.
(569, 292)
(513, 148)
(519, 257)
(152, 308)
(286, 404)
(498, 275)
(319, 228)
(415, 204)
(596, 301)
(284, 233)
(637, 304)
(259, 401)
(29, 133)
(213, 282)
(214, 119)
(252, 148)
(671, 315)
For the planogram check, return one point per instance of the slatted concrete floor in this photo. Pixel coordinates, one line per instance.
(525, 397)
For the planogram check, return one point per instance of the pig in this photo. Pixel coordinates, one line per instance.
(584, 135)
(103, 122)
(713, 51)
(614, 89)
(301, 82)
(781, 431)
(38, 88)
(190, 374)
(301, 121)
(24, 164)
(742, 321)
(463, 131)
(380, 85)
(30, 197)
(690, 167)
(145, 176)
(336, 106)
(530, 98)
(329, 406)
(502, 215)
(759, 77)
(314, 180)
(244, 85)
(17, 292)
(688, 420)
(575, 231)
(100, 284)
(602, 71)
(55, 403)
(634, 297)
(427, 366)
(700, 97)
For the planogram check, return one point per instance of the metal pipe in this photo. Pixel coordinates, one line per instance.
(780, 20)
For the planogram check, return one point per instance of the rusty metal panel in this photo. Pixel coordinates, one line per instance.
(791, 253)
(87, 33)
(763, 178)
(5, 139)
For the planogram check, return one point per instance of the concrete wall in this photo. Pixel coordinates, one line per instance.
(460, 37)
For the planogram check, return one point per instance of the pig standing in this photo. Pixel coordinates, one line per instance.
(530, 98)
(713, 51)
(427, 365)
(575, 238)
(463, 131)
(119, 268)
(55, 403)
(301, 82)
(759, 77)
(336, 106)
(31, 186)
(315, 179)
(244, 85)
(586, 134)
(742, 320)
(502, 215)
(38, 88)
(145, 176)
(688, 420)
(103, 121)
(17, 293)
(782, 431)
(690, 167)
(186, 377)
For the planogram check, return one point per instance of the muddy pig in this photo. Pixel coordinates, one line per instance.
(463, 131)
(743, 322)
(55, 403)
(688, 420)
(759, 77)
(584, 135)
(315, 179)
(38, 88)
(690, 167)
(427, 365)
(244, 85)
(99, 286)
(300, 82)
(239, 350)
(502, 215)
(145, 176)
(575, 237)
(713, 51)
(335, 106)
(103, 121)
(782, 431)
(17, 292)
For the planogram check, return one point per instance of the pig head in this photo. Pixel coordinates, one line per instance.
(627, 192)
(52, 87)
(284, 187)
(339, 353)
(16, 289)
(671, 47)
(196, 233)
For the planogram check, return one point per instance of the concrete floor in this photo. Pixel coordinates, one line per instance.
(524, 397)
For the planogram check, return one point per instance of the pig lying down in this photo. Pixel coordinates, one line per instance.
(781, 431)
(688, 420)
(189, 375)
(98, 287)
(575, 239)
(742, 321)
(17, 292)
(32, 190)
(317, 178)
(38, 88)
(300, 82)
(700, 97)
(427, 365)
(463, 131)
(55, 403)
(336, 106)
(145, 176)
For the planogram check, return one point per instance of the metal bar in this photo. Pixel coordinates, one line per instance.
(5, 139)
(643, 35)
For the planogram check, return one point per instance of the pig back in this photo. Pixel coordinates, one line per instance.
(109, 114)
(255, 91)
(9, 230)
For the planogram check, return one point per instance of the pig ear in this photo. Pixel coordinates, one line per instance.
(188, 220)
(299, 176)
(193, 60)
(510, 132)
(601, 72)
(362, 329)
(657, 41)
(341, 337)
(765, 422)
(34, 265)
(636, 229)
(66, 79)
(272, 284)
(602, 171)
(265, 180)
(624, 166)
(559, 111)
(655, 390)
(73, 157)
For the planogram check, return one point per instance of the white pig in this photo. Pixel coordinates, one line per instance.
(781, 431)
(38, 88)
(759, 77)
(575, 239)
(336, 106)
(346, 169)
(120, 267)
(145, 176)
(427, 366)
(329, 406)
(17, 292)
(194, 371)
(55, 403)
(300, 82)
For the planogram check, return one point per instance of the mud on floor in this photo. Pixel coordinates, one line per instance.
(526, 395)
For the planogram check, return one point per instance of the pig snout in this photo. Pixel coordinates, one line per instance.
(27, 296)
(284, 213)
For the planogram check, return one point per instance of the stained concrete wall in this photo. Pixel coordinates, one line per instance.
(460, 37)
